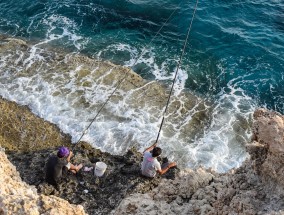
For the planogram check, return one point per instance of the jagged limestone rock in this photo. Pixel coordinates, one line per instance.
(254, 188)
(17, 197)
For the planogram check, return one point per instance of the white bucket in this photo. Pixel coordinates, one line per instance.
(100, 168)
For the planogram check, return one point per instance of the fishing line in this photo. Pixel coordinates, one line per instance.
(124, 77)
(178, 66)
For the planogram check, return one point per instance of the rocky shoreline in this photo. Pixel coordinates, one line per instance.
(17, 197)
(68, 89)
(257, 187)
(254, 188)
(96, 195)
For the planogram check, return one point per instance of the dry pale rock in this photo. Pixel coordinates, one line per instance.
(17, 197)
(168, 197)
(269, 131)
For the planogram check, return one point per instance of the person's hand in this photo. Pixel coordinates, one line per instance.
(172, 164)
(154, 145)
(71, 154)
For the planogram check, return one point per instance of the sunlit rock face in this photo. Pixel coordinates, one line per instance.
(254, 188)
(17, 197)
(269, 134)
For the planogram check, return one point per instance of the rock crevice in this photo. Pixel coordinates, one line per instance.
(254, 188)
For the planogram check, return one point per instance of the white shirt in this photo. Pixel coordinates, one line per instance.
(68, 165)
(150, 165)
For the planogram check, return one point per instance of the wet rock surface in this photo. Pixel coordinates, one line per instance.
(20, 130)
(81, 75)
(30, 153)
(254, 188)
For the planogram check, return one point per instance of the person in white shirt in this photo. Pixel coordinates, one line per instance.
(150, 165)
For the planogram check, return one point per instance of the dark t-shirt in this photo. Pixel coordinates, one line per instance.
(54, 168)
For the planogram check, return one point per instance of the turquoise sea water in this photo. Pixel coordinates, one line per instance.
(234, 56)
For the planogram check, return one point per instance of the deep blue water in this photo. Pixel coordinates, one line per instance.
(237, 43)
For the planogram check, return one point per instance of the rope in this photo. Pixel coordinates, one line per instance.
(124, 77)
(178, 66)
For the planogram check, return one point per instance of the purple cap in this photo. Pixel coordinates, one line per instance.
(63, 152)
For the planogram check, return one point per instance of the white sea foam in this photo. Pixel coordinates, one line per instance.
(61, 27)
(147, 57)
(57, 97)
(222, 146)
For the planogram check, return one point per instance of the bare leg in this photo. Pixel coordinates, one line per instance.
(78, 167)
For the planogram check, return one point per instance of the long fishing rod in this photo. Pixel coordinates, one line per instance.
(124, 77)
(178, 66)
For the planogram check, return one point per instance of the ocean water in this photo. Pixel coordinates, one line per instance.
(233, 60)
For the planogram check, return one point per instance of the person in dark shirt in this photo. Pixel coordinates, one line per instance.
(56, 164)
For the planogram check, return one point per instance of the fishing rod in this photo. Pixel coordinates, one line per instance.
(174, 80)
(124, 77)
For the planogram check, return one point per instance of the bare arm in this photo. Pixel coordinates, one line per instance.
(69, 156)
(150, 148)
(164, 170)
(75, 167)
(72, 166)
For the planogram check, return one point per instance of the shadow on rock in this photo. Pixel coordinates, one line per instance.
(98, 195)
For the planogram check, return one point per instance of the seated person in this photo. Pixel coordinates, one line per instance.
(56, 164)
(150, 165)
